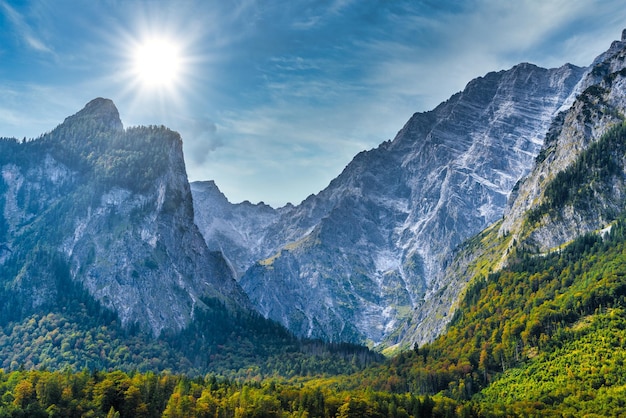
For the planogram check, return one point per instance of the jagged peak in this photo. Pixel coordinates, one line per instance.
(209, 187)
(615, 48)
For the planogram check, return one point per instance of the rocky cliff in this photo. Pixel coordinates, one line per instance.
(577, 185)
(600, 106)
(366, 254)
(108, 207)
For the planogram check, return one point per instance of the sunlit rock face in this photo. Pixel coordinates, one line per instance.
(111, 209)
(597, 105)
(600, 105)
(361, 258)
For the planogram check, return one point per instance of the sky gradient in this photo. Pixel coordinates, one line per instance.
(274, 98)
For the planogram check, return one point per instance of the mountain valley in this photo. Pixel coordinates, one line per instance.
(368, 252)
(483, 250)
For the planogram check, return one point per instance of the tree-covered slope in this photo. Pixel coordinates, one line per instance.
(75, 332)
(544, 333)
(102, 266)
(545, 336)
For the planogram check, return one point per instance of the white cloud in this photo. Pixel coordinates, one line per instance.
(24, 31)
(200, 138)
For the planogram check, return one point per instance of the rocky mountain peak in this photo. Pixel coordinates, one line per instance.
(112, 206)
(365, 255)
(100, 113)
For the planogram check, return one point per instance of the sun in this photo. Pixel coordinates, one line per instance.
(157, 63)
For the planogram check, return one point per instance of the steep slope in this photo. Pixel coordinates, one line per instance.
(236, 230)
(353, 262)
(558, 218)
(544, 336)
(576, 186)
(112, 207)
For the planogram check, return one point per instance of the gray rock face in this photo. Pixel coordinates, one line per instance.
(600, 105)
(237, 231)
(359, 259)
(113, 206)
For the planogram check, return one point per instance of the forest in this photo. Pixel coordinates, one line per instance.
(545, 336)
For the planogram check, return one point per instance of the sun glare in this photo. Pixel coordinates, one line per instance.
(157, 63)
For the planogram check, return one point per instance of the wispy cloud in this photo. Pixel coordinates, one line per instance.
(23, 30)
(319, 12)
(491, 35)
(280, 96)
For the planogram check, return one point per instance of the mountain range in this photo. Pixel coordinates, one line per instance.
(483, 249)
(367, 254)
(99, 221)
(92, 268)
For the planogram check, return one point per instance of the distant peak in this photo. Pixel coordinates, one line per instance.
(100, 111)
(209, 187)
(624, 35)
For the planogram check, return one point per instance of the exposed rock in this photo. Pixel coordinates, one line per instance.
(362, 257)
(237, 231)
(111, 207)
(599, 105)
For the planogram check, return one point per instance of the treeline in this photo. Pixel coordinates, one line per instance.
(84, 335)
(51, 321)
(116, 394)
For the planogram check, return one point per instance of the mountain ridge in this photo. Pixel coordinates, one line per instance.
(78, 203)
(371, 245)
(537, 218)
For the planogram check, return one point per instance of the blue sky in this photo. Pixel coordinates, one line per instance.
(274, 98)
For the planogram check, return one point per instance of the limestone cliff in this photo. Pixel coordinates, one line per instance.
(111, 208)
